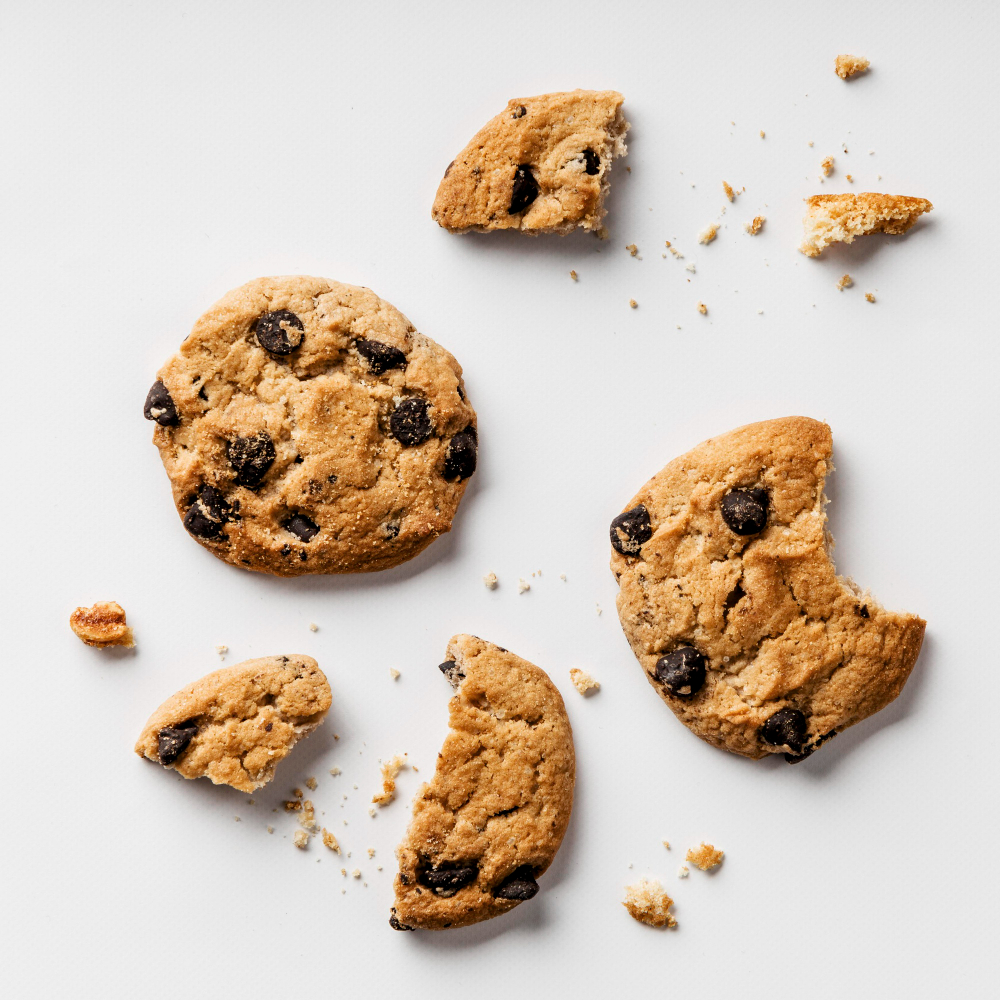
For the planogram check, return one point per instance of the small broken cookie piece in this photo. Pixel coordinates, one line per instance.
(489, 823)
(234, 725)
(847, 66)
(583, 682)
(390, 769)
(646, 902)
(102, 625)
(708, 233)
(839, 218)
(704, 856)
(541, 166)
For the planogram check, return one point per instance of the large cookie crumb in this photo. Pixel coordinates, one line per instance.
(839, 218)
(102, 625)
(583, 682)
(390, 769)
(649, 904)
(847, 66)
(704, 856)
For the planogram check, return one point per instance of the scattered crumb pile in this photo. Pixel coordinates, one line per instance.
(102, 625)
(839, 218)
(848, 66)
(649, 904)
(390, 769)
(753, 227)
(845, 282)
(704, 856)
(583, 682)
(708, 233)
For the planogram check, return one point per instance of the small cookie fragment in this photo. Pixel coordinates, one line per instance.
(390, 769)
(574, 275)
(839, 218)
(632, 249)
(869, 297)
(301, 839)
(702, 308)
(523, 585)
(329, 840)
(490, 581)
(826, 165)
(730, 193)
(394, 673)
(845, 282)
(633, 303)
(583, 682)
(646, 902)
(847, 66)
(754, 226)
(708, 233)
(312, 784)
(704, 856)
(683, 871)
(102, 625)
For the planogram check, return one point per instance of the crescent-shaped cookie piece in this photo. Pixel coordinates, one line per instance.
(731, 602)
(541, 166)
(234, 725)
(489, 823)
(839, 218)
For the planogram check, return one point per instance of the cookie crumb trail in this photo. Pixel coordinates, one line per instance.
(574, 275)
(753, 227)
(847, 66)
(633, 303)
(869, 297)
(390, 769)
(490, 581)
(702, 308)
(583, 682)
(329, 840)
(729, 191)
(845, 282)
(704, 856)
(523, 585)
(102, 625)
(311, 784)
(301, 839)
(708, 233)
(394, 673)
(826, 165)
(649, 904)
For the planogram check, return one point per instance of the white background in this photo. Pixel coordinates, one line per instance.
(155, 156)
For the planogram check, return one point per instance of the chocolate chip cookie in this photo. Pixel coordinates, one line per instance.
(491, 820)
(236, 724)
(307, 427)
(731, 603)
(541, 166)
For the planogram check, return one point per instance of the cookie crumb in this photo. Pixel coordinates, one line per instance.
(390, 769)
(573, 275)
(649, 904)
(334, 771)
(704, 856)
(850, 178)
(292, 806)
(702, 308)
(840, 218)
(394, 673)
(708, 233)
(562, 576)
(313, 627)
(869, 297)
(371, 812)
(826, 165)
(308, 821)
(599, 611)
(238, 820)
(297, 792)
(690, 267)
(301, 839)
(762, 133)
(371, 852)
(729, 191)
(633, 303)
(102, 625)
(753, 227)
(270, 829)
(683, 871)
(311, 784)
(222, 649)
(523, 585)
(845, 282)
(356, 873)
(583, 682)
(490, 581)
(666, 844)
(632, 249)
(847, 66)
(674, 250)
(329, 840)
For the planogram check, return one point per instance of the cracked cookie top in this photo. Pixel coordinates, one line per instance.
(731, 602)
(307, 427)
(234, 725)
(491, 820)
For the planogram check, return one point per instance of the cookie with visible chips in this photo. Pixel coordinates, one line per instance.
(307, 427)
(732, 605)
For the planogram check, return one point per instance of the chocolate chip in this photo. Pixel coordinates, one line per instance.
(519, 885)
(630, 530)
(682, 671)
(745, 511)
(453, 672)
(786, 728)
(208, 514)
(460, 459)
(391, 529)
(250, 458)
(302, 527)
(380, 357)
(395, 924)
(286, 550)
(593, 161)
(410, 423)
(159, 406)
(863, 611)
(172, 741)
(279, 332)
(524, 191)
(448, 880)
(519, 112)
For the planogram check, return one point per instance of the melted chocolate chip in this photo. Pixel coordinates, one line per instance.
(448, 880)
(395, 924)
(745, 511)
(519, 885)
(303, 528)
(172, 741)
(410, 423)
(279, 332)
(863, 611)
(380, 357)
(682, 671)
(159, 406)
(460, 459)
(592, 160)
(250, 458)
(630, 530)
(519, 112)
(786, 728)
(208, 514)
(391, 529)
(524, 191)
(453, 672)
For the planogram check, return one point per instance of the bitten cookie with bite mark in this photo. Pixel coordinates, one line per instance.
(307, 427)
(489, 823)
(839, 218)
(541, 166)
(731, 603)
(235, 725)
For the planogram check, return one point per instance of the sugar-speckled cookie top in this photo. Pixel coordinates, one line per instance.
(236, 724)
(491, 820)
(542, 165)
(306, 427)
(731, 603)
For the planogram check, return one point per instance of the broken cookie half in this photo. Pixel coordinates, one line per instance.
(732, 605)
(839, 218)
(541, 166)
(234, 725)
(489, 823)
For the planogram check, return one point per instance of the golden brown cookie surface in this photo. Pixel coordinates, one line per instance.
(839, 218)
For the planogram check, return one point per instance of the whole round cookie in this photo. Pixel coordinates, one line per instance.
(731, 603)
(307, 427)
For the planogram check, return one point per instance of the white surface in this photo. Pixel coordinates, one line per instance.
(156, 158)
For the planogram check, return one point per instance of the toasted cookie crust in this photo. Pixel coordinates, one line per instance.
(234, 725)
(541, 166)
(306, 427)
(490, 821)
(731, 603)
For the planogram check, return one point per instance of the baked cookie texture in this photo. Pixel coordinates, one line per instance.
(307, 427)
(235, 725)
(489, 823)
(839, 218)
(732, 605)
(102, 625)
(541, 166)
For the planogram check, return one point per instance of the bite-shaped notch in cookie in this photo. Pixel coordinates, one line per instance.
(235, 725)
(731, 602)
(540, 166)
(489, 823)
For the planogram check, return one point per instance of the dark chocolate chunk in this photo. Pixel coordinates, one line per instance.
(460, 459)
(519, 885)
(745, 511)
(863, 611)
(279, 332)
(159, 406)
(250, 458)
(519, 112)
(786, 728)
(302, 527)
(593, 161)
(448, 879)
(630, 530)
(391, 529)
(380, 357)
(452, 671)
(682, 671)
(410, 422)
(172, 741)
(395, 924)
(524, 191)
(208, 514)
